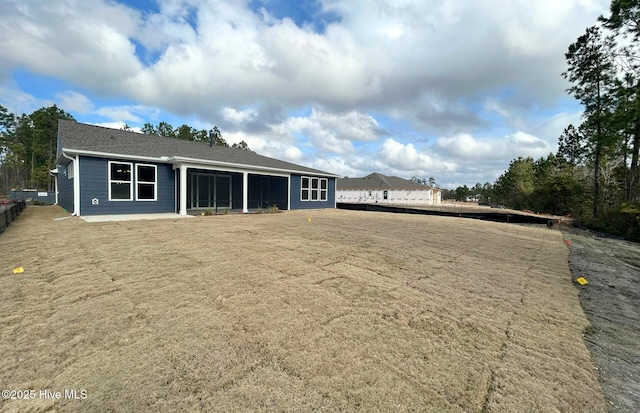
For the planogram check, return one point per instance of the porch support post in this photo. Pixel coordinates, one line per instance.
(289, 192)
(245, 192)
(183, 190)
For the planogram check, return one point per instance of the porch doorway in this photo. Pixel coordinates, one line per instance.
(208, 191)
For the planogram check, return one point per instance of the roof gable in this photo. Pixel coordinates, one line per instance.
(378, 181)
(74, 136)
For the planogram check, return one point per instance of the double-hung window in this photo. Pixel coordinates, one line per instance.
(304, 193)
(146, 182)
(324, 188)
(314, 189)
(120, 181)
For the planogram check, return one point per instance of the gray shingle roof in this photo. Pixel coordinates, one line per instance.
(79, 136)
(377, 181)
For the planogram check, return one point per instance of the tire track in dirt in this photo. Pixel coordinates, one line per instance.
(610, 302)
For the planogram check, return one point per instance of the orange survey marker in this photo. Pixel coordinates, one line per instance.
(568, 242)
(582, 281)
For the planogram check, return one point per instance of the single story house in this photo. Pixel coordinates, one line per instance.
(103, 171)
(378, 188)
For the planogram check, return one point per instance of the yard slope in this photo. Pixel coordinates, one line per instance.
(295, 311)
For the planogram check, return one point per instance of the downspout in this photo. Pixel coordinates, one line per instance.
(56, 188)
(76, 184)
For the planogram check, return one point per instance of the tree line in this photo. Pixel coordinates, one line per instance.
(28, 148)
(188, 133)
(594, 176)
(28, 145)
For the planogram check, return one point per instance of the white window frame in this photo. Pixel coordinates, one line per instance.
(154, 183)
(130, 182)
(69, 170)
(303, 188)
(317, 191)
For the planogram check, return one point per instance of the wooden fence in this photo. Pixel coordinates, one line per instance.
(9, 211)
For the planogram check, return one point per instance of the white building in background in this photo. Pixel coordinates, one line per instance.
(381, 189)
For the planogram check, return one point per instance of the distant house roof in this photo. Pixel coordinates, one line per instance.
(79, 138)
(378, 181)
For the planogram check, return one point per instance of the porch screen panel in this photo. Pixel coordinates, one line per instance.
(223, 191)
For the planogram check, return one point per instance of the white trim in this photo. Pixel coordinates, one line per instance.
(231, 169)
(325, 190)
(176, 195)
(289, 193)
(131, 181)
(183, 190)
(234, 167)
(76, 186)
(76, 183)
(114, 155)
(245, 192)
(154, 183)
(311, 190)
(55, 182)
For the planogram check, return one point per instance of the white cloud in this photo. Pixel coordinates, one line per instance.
(17, 101)
(466, 148)
(405, 157)
(74, 101)
(128, 113)
(336, 165)
(525, 140)
(552, 127)
(382, 53)
(116, 125)
(235, 116)
(474, 75)
(94, 51)
(331, 132)
(293, 154)
(268, 147)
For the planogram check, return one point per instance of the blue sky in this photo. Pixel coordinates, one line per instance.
(451, 89)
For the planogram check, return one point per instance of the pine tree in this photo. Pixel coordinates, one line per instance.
(592, 73)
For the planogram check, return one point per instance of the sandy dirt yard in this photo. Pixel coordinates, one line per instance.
(345, 311)
(611, 302)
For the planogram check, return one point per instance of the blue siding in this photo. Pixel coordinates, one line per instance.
(94, 183)
(65, 189)
(296, 203)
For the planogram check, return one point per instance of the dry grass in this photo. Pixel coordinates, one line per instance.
(352, 311)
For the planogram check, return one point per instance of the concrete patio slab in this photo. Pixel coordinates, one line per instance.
(132, 217)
